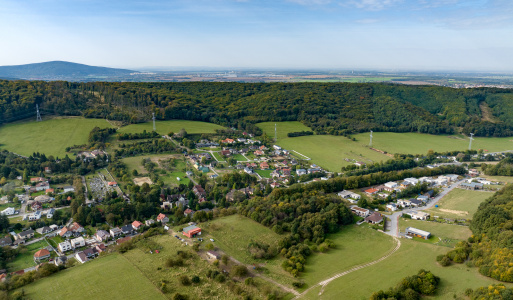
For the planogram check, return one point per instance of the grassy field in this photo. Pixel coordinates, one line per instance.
(411, 257)
(239, 157)
(152, 267)
(164, 127)
(26, 260)
(218, 156)
(440, 230)
(327, 151)
(459, 203)
(111, 277)
(417, 143)
(264, 173)
(50, 137)
(232, 235)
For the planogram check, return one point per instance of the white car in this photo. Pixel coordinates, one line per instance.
(211, 240)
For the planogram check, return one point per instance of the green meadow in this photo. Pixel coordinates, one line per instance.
(459, 203)
(50, 137)
(408, 260)
(418, 143)
(164, 127)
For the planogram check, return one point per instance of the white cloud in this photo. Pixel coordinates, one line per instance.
(374, 4)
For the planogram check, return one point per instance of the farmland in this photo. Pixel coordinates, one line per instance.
(417, 143)
(102, 278)
(50, 137)
(164, 127)
(410, 257)
(459, 204)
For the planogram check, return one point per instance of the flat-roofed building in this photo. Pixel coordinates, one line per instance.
(418, 233)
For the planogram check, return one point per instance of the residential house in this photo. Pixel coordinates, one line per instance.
(42, 186)
(37, 179)
(199, 191)
(423, 198)
(78, 242)
(472, 186)
(391, 207)
(259, 152)
(191, 231)
(6, 241)
(412, 180)
(65, 232)
(127, 229)
(112, 183)
(162, 218)
(36, 205)
(48, 170)
(44, 230)
(35, 216)
(27, 234)
(300, 172)
(391, 185)
(405, 184)
(49, 213)
(348, 195)
(404, 203)
(360, 164)
(441, 180)
(225, 152)
(122, 240)
(188, 212)
(136, 225)
(374, 218)
(41, 255)
(149, 222)
(371, 191)
(61, 260)
(81, 257)
(418, 215)
(362, 212)
(68, 188)
(49, 191)
(115, 232)
(91, 252)
(76, 228)
(102, 235)
(275, 185)
(248, 170)
(100, 248)
(264, 165)
(452, 177)
(415, 202)
(8, 211)
(64, 246)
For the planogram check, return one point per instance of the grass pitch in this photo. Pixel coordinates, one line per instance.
(50, 137)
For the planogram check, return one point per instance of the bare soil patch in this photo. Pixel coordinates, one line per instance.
(141, 180)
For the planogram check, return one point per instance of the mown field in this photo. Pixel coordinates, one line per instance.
(407, 261)
(164, 127)
(438, 230)
(417, 143)
(26, 259)
(49, 136)
(111, 277)
(459, 204)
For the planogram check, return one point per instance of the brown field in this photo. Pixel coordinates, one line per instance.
(141, 180)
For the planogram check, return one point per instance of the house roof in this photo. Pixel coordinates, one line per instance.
(127, 228)
(371, 190)
(122, 240)
(42, 253)
(26, 232)
(82, 256)
(75, 226)
(190, 228)
(161, 217)
(375, 217)
(188, 211)
(102, 233)
(137, 224)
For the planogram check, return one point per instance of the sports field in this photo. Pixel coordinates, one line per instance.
(50, 137)
(418, 143)
(459, 204)
(407, 261)
(110, 277)
(164, 127)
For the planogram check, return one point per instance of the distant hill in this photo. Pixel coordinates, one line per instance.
(53, 70)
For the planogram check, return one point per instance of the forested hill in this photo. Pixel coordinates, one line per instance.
(328, 108)
(58, 69)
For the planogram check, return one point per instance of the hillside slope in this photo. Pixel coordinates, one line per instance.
(58, 69)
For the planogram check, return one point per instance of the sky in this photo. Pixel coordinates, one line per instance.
(448, 35)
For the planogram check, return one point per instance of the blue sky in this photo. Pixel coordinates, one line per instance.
(345, 34)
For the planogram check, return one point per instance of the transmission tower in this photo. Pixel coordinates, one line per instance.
(275, 133)
(154, 129)
(38, 114)
(370, 144)
(470, 143)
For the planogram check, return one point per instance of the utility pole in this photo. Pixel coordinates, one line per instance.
(38, 114)
(154, 129)
(470, 143)
(370, 144)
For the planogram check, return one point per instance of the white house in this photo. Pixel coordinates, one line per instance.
(412, 180)
(300, 172)
(49, 213)
(276, 147)
(418, 215)
(362, 212)
(64, 246)
(348, 194)
(8, 211)
(78, 242)
(452, 177)
(68, 188)
(391, 185)
(404, 203)
(81, 257)
(391, 207)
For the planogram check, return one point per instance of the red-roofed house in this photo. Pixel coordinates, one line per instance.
(113, 183)
(41, 254)
(371, 191)
(48, 191)
(136, 225)
(162, 218)
(264, 165)
(188, 212)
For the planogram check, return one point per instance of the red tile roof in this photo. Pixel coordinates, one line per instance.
(42, 253)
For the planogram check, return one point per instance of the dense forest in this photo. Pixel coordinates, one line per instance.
(328, 108)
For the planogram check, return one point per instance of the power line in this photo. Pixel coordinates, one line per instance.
(38, 114)
(370, 144)
(470, 142)
(154, 129)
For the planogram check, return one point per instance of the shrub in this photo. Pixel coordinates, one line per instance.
(184, 280)
(220, 278)
(298, 284)
(179, 296)
(239, 271)
(445, 261)
(195, 279)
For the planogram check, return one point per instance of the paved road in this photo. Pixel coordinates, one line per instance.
(29, 213)
(393, 228)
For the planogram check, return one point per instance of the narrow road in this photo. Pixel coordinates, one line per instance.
(325, 282)
(394, 218)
